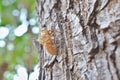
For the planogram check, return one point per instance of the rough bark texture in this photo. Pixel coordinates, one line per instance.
(87, 38)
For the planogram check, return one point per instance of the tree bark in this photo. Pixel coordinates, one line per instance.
(87, 36)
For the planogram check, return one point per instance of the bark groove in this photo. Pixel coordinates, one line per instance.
(87, 36)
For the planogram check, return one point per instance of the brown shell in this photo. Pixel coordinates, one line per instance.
(46, 40)
(50, 47)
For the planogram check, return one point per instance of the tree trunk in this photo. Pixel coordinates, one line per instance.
(87, 37)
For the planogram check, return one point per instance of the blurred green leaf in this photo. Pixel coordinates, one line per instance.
(22, 46)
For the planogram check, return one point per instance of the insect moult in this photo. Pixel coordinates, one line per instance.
(46, 40)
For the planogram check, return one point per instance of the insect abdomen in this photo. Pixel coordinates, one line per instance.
(50, 47)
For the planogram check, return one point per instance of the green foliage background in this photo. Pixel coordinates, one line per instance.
(24, 52)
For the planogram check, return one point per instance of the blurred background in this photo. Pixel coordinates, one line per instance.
(18, 28)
